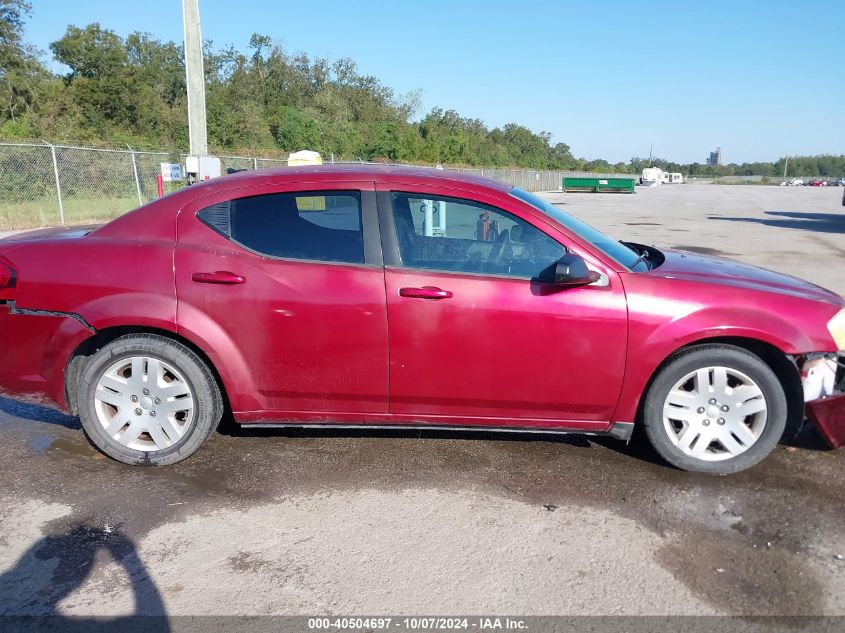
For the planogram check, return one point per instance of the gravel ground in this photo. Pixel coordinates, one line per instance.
(295, 522)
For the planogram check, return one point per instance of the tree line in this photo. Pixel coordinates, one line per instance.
(132, 90)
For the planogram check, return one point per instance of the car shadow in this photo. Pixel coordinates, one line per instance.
(807, 438)
(38, 413)
(57, 565)
(814, 222)
(638, 447)
(231, 428)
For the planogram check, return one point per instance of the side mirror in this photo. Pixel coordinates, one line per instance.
(571, 270)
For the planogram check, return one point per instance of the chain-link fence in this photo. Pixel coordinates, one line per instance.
(533, 179)
(47, 185)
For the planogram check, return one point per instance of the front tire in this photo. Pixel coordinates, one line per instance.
(715, 409)
(148, 400)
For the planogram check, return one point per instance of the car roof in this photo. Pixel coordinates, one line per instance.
(367, 172)
(152, 220)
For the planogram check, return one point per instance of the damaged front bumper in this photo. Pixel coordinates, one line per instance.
(823, 379)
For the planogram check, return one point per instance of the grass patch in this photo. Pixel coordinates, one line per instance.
(45, 212)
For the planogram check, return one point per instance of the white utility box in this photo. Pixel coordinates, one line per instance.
(201, 168)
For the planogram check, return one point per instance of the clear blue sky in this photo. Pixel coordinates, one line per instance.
(762, 79)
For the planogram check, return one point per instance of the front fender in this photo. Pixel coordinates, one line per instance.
(654, 336)
(714, 322)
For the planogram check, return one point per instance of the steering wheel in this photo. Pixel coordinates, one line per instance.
(501, 249)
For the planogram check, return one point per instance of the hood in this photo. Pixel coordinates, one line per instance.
(59, 232)
(680, 264)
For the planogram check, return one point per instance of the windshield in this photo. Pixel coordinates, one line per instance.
(621, 254)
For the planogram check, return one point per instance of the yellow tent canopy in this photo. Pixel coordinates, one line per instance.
(304, 157)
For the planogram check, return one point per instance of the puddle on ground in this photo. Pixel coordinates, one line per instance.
(742, 579)
(77, 448)
(703, 250)
(41, 443)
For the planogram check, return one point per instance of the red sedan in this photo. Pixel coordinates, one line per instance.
(397, 297)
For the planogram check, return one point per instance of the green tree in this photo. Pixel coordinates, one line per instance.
(295, 130)
(21, 72)
(98, 79)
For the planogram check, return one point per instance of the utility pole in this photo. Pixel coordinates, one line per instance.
(785, 165)
(195, 79)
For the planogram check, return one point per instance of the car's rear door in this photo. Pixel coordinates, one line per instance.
(473, 337)
(284, 284)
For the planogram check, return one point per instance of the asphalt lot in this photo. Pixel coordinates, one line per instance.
(795, 230)
(294, 522)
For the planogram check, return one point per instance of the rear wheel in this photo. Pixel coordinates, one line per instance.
(715, 409)
(146, 399)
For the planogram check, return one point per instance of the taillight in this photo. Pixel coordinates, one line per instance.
(8, 280)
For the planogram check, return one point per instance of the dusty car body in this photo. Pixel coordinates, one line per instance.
(412, 297)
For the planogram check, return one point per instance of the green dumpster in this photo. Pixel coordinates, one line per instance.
(597, 185)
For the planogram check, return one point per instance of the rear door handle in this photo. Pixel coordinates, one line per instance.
(218, 277)
(426, 292)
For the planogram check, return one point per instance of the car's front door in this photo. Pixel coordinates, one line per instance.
(285, 284)
(474, 337)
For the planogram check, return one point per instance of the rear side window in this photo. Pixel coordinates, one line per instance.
(316, 225)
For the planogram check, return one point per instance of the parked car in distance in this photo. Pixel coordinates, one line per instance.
(839, 182)
(396, 297)
(796, 182)
(815, 182)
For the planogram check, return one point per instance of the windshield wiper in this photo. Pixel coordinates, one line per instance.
(642, 257)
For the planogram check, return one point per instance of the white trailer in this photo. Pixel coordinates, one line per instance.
(652, 177)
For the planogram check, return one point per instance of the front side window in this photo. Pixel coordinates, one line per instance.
(316, 225)
(457, 235)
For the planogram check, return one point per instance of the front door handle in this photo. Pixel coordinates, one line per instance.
(218, 277)
(426, 292)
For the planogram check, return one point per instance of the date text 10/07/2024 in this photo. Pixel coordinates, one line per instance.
(417, 623)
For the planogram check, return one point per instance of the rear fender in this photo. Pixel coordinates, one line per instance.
(222, 351)
(136, 308)
(65, 339)
(69, 343)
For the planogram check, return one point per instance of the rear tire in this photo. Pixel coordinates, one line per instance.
(148, 400)
(715, 409)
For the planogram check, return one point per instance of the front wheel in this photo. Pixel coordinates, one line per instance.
(148, 400)
(715, 409)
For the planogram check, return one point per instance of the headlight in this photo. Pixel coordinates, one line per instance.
(836, 327)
